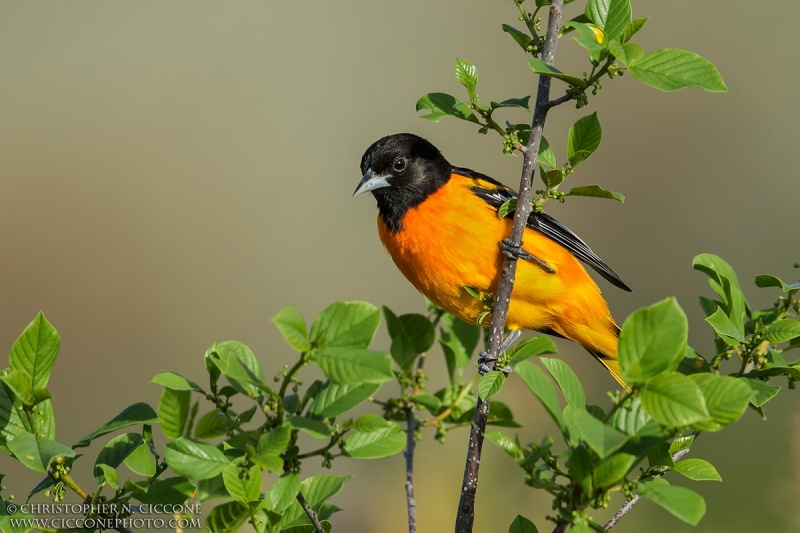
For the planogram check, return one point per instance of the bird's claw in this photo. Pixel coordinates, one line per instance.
(483, 368)
(513, 250)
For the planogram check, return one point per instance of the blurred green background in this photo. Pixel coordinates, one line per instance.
(174, 173)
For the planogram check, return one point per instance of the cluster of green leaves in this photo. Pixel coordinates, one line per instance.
(675, 393)
(224, 452)
(229, 454)
(250, 430)
(605, 30)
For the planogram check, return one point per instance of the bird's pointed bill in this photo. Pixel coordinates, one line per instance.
(369, 182)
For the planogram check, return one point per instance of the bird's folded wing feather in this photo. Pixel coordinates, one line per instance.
(496, 194)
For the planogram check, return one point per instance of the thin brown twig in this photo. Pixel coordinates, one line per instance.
(411, 443)
(629, 505)
(310, 512)
(466, 506)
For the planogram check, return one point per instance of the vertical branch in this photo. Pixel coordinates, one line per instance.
(466, 506)
(310, 513)
(411, 442)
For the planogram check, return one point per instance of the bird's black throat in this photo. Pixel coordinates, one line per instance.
(414, 169)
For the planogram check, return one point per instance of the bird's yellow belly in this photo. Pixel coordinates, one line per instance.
(441, 256)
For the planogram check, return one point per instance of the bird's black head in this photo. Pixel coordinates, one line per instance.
(401, 171)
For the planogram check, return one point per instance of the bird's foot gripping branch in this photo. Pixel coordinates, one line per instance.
(229, 438)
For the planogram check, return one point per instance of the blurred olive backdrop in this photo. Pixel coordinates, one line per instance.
(173, 173)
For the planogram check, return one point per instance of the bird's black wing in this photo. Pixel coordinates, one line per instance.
(496, 194)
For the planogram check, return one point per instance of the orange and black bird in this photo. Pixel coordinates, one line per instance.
(440, 225)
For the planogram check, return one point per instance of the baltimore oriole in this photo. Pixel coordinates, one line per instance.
(440, 225)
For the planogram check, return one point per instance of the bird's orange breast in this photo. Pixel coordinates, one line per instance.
(451, 240)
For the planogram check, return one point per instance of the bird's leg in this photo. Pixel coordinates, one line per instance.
(514, 251)
(486, 357)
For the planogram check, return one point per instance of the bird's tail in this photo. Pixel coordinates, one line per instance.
(600, 338)
(605, 351)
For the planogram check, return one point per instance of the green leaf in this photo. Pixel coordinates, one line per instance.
(592, 38)
(524, 103)
(374, 437)
(350, 324)
(315, 428)
(240, 366)
(612, 470)
(601, 438)
(11, 424)
(546, 154)
(660, 456)
(680, 443)
(508, 207)
(542, 388)
(671, 69)
(522, 525)
(284, 491)
(567, 381)
(211, 488)
(35, 351)
(109, 475)
(428, 401)
(174, 381)
(613, 16)
(632, 29)
(244, 485)
(725, 328)
(212, 424)
(595, 191)
(540, 67)
(115, 452)
(674, 400)
(354, 366)
(335, 399)
(173, 410)
(228, 517)
(36, 452)
(585, 135)
(511, 447)
(652, 341)
(763, 391)
(170, 491)
(138, 413)
(766, 280)
(726, 399)
(626, 53)
(532, 347)
(20, 384)
(467, 75)
(195, 460)
(782, 330)
(317, 490)
(458, 340)
(521, 38)
(552, 178)
(490, 384)
(631, 420)
(443, 105)
(141, 462)
(412, 334)
(697, 470)
(681, 502)
(275, 442)
(292, 326)
(716, 268)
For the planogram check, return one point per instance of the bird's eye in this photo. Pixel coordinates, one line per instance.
(399, 164)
